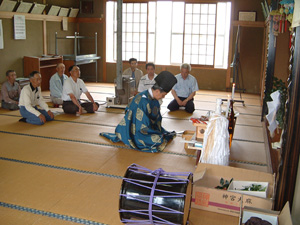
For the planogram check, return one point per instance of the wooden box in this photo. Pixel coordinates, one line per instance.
(200, 129)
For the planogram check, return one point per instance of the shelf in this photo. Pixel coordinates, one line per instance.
(42, 17)
(249, 23)
(48, 66)
(76, 58)
(89, 20)
(48, 58)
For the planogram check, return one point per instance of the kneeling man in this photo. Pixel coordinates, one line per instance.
(30, 98)
(72, 90)
(184, 91)
(141, 126)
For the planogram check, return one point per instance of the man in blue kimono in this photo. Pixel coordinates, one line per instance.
(141, 126)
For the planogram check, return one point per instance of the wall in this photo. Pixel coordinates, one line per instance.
(251, 55)
(208, 79)
(88, 47)
(211, 79)
(14, 50)
(250, 59)
(282, 56)
(248, 5)
(65, 46)
(88, 72)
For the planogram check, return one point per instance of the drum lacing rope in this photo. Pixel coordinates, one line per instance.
(156, 173)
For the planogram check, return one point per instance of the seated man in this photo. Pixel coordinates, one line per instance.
(10, 91)
(133, 72)
(147, 81)
(141, 126)
(30, 98)
(72, 90)
(184, 91)
(56, 84)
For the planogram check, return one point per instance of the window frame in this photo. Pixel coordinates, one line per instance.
(183, 48)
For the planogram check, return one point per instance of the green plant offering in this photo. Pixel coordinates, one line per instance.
(224, 184)
(254, 187)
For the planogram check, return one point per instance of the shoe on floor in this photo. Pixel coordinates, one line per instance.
(55, 105)
(22, 120)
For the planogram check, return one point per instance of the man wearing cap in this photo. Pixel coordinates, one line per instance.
(184, 91)
(141, 126)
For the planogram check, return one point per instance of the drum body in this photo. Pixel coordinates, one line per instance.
(155, 197)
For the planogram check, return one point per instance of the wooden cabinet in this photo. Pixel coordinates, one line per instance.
(46, 66)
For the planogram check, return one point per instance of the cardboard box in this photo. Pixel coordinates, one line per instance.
(237, 186)
(207, 197)
(273, 217)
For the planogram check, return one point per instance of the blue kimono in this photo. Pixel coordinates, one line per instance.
(141, 126)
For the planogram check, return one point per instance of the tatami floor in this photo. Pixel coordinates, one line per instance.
(64, 173)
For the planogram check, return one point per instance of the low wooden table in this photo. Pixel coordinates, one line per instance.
(191, 136)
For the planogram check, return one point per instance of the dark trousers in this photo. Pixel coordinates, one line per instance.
(189, 107)
(70, 108)
(10, 106)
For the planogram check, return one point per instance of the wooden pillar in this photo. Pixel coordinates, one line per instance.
(291, 142)
(119, 44)
(45, 50)
(104, 43)
(228, 73)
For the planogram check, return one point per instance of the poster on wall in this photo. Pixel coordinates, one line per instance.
(1, 36)
(65, 23)
(19, 27)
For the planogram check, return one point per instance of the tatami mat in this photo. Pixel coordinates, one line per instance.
(12, 216)
(65, 173)
(248, 133)
(248, 151)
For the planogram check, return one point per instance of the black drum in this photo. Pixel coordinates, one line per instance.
(155, 197)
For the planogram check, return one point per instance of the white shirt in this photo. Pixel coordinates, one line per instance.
(31, 98)
(56, 86)
(72, 87)
(146, 83)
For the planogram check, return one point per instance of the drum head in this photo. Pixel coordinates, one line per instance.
(171, 200)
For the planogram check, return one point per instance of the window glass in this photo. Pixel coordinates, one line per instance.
(166, 32)
(176, 50)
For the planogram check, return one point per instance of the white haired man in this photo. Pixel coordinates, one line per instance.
(56, 84)
(184, 91)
